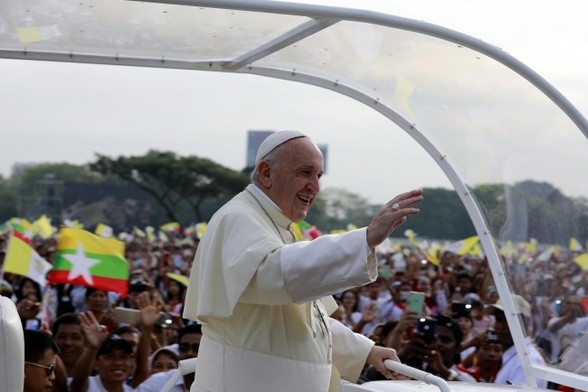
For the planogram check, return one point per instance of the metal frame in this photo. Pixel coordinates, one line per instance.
(322, 17)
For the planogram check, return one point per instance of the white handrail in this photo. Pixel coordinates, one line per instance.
(417, 374)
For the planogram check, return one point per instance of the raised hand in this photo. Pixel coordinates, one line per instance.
(392, 215)
(148, 307)
(95, 332)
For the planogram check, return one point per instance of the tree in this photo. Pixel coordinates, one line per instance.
(8, 201)
(173, 180)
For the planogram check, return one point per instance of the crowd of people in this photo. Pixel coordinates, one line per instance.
(442, 316)
(472, 338)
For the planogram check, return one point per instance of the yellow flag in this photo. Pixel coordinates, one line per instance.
(582, 260)
(43, 227)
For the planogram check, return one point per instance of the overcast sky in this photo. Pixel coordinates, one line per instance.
(66, 112)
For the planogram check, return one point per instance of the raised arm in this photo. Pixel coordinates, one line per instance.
(95, 335)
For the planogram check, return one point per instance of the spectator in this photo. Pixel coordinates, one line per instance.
(29, 290)
(111, 355)
(564, 329)
(163, 360)
(487, 359)
(511, 371)
(188, 346)
(40, 360)
(68, 334)
(442, 355)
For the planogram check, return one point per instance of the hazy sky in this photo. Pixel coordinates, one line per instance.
(66, 112)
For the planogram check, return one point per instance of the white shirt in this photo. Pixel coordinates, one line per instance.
(95, 385)
(157, 381)
(511, 371)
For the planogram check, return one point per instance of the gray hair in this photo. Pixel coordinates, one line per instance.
(273, 158)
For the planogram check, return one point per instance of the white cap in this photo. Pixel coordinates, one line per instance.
(273, 141)
(521, 306)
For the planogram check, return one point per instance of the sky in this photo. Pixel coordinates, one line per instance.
(56, 112)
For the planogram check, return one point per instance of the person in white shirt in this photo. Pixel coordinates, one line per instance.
(189, 338)
(511, 371)
(566, 328)
(264, 299)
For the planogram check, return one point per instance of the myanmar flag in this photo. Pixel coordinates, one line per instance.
(21, 259)
(89, 260)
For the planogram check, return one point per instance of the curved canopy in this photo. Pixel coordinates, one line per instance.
(483, 116)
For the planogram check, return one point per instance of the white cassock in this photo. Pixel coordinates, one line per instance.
(263, 302)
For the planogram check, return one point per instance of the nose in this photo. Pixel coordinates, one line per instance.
(314, 185)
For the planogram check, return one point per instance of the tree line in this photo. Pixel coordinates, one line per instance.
(161, 186)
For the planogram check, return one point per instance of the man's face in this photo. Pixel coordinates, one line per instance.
(294, 181)
(502, 330)
(490, 355)
(132, 338)
(114, 366)
(36, 377)
(188, 346)
(70, 340)
(446, 344)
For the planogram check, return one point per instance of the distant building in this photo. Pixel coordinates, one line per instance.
(256, 137)
(254, 140)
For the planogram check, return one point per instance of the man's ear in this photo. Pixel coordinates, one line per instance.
(264, 170)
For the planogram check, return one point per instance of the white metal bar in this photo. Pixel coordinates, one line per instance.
(418, 375)
(306, 29)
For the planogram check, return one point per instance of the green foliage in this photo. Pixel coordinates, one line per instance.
(8, 201)
(173, 180)
(26, 180)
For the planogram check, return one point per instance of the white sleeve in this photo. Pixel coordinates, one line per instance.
(309, 270)
(327, 265)
(350, 350)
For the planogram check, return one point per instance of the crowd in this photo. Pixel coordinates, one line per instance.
(97, 349)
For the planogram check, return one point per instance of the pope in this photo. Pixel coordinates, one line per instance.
(264, 299)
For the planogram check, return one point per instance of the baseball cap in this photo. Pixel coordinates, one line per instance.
(273, 141)
(114, 341)
(521, 306)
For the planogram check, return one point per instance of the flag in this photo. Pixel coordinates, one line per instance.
(298, 229)
(462, 247)
(575, 245)
(76, 224)
(410, 234)
(547, 253)
(138, 232)
(171, 227)
(582, 260)
(200, 229)
(103, 230)
(21, 259)
(432, 255)
(43, 227)
(149, 232)
(89, 260)
(23, 227)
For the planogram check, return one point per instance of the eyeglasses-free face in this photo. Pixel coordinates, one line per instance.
(48, 369)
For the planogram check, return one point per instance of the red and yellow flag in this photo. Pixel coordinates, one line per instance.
(89, 260)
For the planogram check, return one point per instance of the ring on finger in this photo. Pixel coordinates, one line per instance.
(395, 206)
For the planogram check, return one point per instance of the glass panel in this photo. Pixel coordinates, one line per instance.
(135, 29)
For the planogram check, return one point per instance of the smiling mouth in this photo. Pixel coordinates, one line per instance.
(305, 199)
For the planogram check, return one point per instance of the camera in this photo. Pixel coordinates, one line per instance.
(428, 328)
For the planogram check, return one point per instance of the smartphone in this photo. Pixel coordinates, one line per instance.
(416, 302)
(428, 328)
(126, 315)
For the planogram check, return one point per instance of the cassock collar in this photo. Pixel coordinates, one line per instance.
(272, 208)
